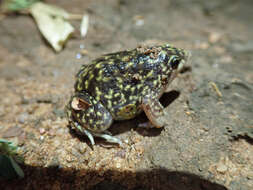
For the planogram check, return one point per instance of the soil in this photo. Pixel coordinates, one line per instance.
(208, 140)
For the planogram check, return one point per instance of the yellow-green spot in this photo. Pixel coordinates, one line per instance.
(86, 84)
(107, 96)
(98, 65)
(79, 86)
(111, 62)
(98, 92)
(110, 92)
(98, 97)
(132, 98)
(130, 64)
(90, 76)
(120, 80)
(106, 57)
(100, 72)
(109, 104)
(128, 87)
(146, 88)
(121, 86)
(116, 94)
(150, 74)
(84, 73)
(155, 82)
(125, 58)
(139, 86)
(133, 89)
(127, 112)
(106, 79)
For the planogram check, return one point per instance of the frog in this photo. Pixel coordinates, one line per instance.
(120, 85)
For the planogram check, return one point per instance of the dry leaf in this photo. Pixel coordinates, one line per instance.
(52, 24)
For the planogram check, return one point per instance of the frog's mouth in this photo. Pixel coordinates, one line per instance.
(184, 62)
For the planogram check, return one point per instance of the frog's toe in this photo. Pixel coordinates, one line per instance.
(109, 138)
(89, 135)
(86, 132)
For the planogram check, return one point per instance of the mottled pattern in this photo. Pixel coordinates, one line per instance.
(115, 84)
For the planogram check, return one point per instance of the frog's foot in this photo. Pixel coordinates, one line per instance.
(86, 132)
(108, 138)
(154, 111)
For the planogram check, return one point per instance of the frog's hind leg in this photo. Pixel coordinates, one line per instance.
(108, 138)
(86, 132)
(154, 111)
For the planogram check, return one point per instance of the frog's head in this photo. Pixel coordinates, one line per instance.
(174, 59)
(88, 112)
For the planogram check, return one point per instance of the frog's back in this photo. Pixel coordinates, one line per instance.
(119, 80)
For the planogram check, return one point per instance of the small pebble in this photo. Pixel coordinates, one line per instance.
(22, 117)
(42, 131)
(51, 132)
(82, 46)
(221, 168)
(226, 59)
(42, 138)
(121, 154)
(214, 37)
(139, 20)
(84, 52)
(202, 45)
(118, 165)
(82, 148)
(78, 55)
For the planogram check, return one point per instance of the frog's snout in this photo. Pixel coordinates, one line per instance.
(186, 61)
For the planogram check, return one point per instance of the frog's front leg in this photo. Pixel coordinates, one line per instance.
(154, 111)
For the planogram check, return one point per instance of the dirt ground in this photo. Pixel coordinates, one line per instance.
(207, 143)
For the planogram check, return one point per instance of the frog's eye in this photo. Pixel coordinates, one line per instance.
(174, 62)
